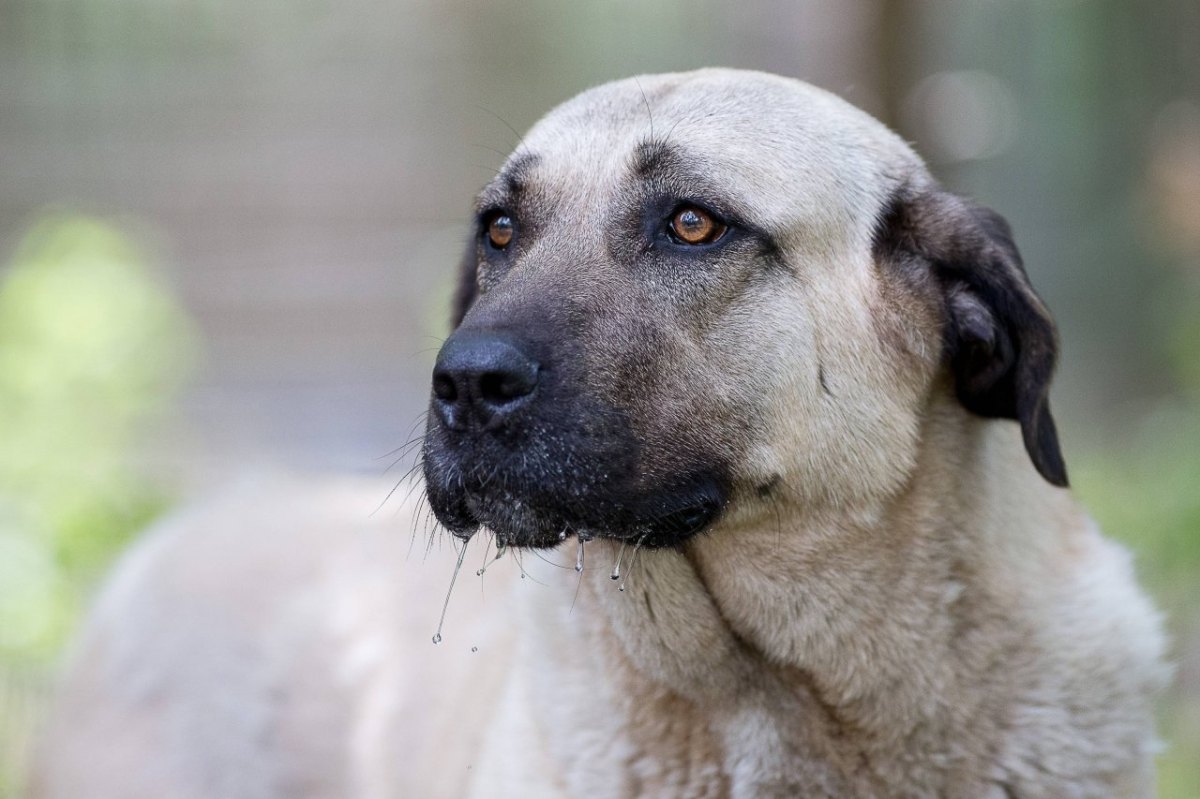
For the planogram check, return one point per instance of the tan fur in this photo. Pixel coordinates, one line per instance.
(911, 611)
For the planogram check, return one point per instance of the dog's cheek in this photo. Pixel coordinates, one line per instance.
(645, 364)
(712, 396)
(842, 418)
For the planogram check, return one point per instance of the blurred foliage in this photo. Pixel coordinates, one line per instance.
(92, 347)
(1144, 492)
(1144, 489)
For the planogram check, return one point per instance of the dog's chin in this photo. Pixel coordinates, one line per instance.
(676, 518)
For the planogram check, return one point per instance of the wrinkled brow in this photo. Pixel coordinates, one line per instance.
(689, 177)
(655, 158)
(682, 172)
(508, 186)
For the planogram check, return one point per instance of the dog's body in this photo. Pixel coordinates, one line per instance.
(843, 574)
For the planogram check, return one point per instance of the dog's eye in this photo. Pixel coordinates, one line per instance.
(692, 225)
(500, 231)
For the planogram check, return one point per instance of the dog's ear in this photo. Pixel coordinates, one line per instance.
(467, 288)
(1000, 341)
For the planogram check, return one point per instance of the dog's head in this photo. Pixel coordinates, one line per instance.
(684, 292)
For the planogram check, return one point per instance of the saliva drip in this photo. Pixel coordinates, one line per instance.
(616, 572)
(501, 548)
(437, 637)
(579, 557)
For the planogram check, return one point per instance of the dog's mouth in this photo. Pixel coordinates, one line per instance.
(662, 517)
(522, 445)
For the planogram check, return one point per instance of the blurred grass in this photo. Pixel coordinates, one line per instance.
(92, 348)
(1145, 491)
(1143, 487)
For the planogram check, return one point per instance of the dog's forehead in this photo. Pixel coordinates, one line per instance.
(798, 156)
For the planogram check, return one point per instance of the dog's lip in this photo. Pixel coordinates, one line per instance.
(540, 527)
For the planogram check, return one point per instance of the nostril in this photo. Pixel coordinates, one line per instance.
(500, 387)
(444, 387)
(481, 378)
(493, 388)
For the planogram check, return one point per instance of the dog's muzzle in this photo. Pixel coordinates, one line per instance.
(519, 441)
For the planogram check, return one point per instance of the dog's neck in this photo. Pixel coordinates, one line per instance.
(880, 623)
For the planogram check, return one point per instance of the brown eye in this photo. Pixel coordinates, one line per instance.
(500, 231)
(694, 226)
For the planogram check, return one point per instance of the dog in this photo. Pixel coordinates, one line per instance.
(762, 412)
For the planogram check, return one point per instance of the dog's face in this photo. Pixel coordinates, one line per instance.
(687, 294)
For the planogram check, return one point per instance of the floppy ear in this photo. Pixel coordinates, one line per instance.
(467, 288)
(1000, 341)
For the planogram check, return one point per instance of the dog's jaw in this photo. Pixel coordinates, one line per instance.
(665, 515)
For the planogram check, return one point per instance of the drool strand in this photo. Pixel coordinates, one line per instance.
(437, 637)
(501, 548)
(616, 572)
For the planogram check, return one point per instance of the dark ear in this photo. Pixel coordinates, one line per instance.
(1000, 341)
(464, 293)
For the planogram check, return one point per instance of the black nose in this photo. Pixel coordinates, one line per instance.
(480, 378)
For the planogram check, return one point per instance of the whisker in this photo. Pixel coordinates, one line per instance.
(413, 426)
(633, 562)
(646, 100)
(520, 144)
(501, 548)
(519, 558)
(547, 561)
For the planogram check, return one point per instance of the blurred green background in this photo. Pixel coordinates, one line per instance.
(227, 230)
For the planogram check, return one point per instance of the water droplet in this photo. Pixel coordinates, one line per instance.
(437, 637)
(562, 536)
(522, 575)
(474, 649)
(579, 557)
(479, 572)
(621, 587)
